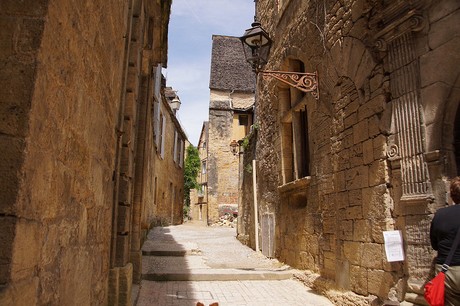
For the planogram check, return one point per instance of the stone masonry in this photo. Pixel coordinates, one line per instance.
(379, 141)
(231, 97)
(76, 81)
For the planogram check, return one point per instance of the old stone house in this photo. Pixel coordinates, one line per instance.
(168, 166)
(230, 116)
(81, 87)
(373, 153)
(199, 197)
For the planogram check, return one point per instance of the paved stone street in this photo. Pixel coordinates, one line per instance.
(191, 263)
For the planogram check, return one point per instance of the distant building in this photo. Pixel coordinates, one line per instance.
(199, 198)
(230, 117)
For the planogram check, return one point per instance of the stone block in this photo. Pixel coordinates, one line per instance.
(360, 131)
(126, 283)
(374, 126)
(355, 197)
(353, 212)
(16, 97)
(378, 173)
(26, 249)
(373, 107)
(8, 26)
(30, 8)
(7, 228)
(375, 82)
(359, 279)
(124, 219)
(346, 230)
(373, 256)
(379, 282)
(368, 151)
(441, 30)
(75, 266)
(380, 147)
(350, 120)
(125, 190)
(378, 202)
(362, 230)
(114, 286)
(352, 251)
(130, 105)
(339, 181)
(357, 178)
(122, 256)
(127, 163)
(441, 9)
(440, 64)
(21, 293)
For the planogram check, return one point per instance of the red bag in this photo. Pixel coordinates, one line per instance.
(434, 290)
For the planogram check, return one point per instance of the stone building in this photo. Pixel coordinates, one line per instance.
(199, 197)
(79, 83)
(373, 153)
(168, 165)
(230, 116)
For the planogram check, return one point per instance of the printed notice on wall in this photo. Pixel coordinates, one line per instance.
(393, 245)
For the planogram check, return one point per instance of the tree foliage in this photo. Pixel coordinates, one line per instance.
(191, 170)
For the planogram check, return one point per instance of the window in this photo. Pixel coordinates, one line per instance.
(162, 135)
(243, 120)
(203, 167)
(295, 159)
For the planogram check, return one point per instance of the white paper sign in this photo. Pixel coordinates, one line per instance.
(393, 245)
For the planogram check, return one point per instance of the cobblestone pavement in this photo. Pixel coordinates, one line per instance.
(229, 293)
(215, 252)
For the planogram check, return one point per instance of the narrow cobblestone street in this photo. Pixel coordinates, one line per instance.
(191, 263)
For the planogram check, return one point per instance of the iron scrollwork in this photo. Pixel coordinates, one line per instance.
(306, 82)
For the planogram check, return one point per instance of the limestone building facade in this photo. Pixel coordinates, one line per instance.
(199, 197)
(77, 123)
(230, 116)
(373, 153)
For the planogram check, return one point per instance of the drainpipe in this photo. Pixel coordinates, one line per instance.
(256, 212)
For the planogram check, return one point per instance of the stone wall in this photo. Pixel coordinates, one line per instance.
(222, 163)
(74, 76)
(169, 198)
(58, 118)
(378, 160)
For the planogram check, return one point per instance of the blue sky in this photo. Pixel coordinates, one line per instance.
(192, 24)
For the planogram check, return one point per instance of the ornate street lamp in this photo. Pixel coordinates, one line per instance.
(256, 45)
(234, 147)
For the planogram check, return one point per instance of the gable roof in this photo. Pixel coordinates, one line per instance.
(229, 69)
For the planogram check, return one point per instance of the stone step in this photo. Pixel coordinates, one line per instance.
(218, 275)
(151, 248)
(194, 268)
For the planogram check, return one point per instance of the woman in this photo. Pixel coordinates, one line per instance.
(444, 227)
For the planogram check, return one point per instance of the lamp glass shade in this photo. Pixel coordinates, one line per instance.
(256, 45)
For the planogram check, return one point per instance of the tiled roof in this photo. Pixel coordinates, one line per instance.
(229, 69)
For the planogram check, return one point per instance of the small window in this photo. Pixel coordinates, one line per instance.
(243, 120)
(203, 167)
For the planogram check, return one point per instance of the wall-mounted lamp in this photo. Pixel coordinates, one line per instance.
(175, 104)
(256, 45)
(234, 147)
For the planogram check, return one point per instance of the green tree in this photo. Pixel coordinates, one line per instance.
(192, 167)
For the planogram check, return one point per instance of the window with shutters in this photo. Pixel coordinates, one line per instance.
(295, 148)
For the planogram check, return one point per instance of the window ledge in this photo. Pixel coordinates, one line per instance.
(296, 186)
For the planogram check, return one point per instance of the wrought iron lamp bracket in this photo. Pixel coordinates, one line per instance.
(306, 82)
